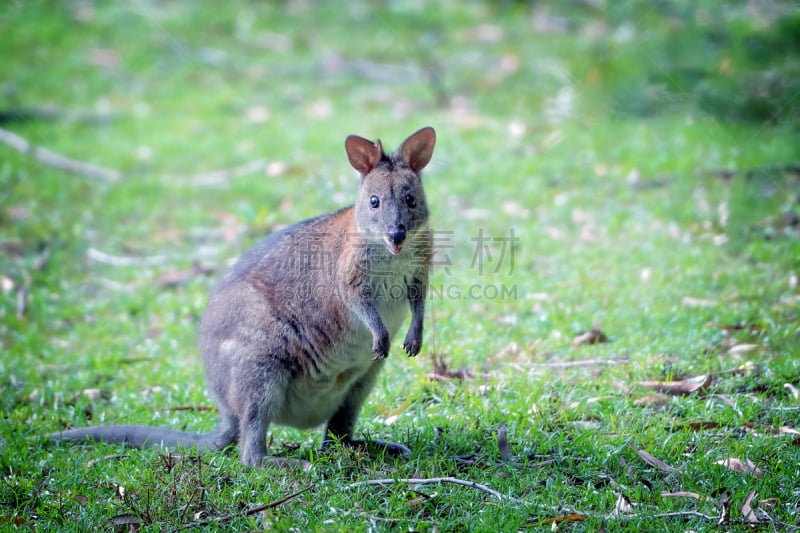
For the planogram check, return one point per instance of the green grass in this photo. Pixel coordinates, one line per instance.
(645, 157)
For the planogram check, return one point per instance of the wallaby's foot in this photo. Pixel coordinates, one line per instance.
(279, 462)
(374, 447)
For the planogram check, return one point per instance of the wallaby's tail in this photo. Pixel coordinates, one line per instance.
(146, 436)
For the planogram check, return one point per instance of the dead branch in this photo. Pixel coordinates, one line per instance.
(96, 172)
(254, 510)
(683, 513)
(124, 261)
(47, 112)
(580, 363)
(428, 481)
(55, 160)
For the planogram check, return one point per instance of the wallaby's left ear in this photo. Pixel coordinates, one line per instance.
(417, 150)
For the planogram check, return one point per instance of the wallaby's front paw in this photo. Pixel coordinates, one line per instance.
(412, 345)
(380, 346)
(413, 341)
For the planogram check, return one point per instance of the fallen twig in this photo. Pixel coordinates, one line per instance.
(55, 160)
(683, 513)
(654, 461)
(680, 387)
(97, 172)
(582, 362)
(428, 481)
(26, 114)
(254, 510)
(124, 261)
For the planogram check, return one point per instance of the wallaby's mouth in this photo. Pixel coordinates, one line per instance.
(394, 248)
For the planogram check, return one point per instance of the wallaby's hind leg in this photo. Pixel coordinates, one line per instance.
(227, 432)
(253, 430)
(341, 425)
(260, 392)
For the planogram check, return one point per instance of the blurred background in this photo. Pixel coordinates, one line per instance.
(626, 167)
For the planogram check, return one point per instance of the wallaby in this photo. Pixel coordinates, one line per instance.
(298, 330)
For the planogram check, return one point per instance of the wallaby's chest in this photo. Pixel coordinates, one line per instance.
(313, 397)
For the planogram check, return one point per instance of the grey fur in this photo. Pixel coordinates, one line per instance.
(298, 330)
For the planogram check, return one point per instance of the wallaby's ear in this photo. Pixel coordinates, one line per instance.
(417, 150)
(364, 154)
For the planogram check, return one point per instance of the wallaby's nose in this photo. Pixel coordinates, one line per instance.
(398, 235)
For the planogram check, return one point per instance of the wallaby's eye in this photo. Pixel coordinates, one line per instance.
(374, 201)
(411, 201)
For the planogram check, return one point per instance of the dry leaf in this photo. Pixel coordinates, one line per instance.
(681, 494)
(442, 372)
(747, 511)
(727, 400)
(680, 387)
(768, 503)
(17, 521)
(593, 336)
(565, 519)
(623, 506)
(414, 502)
(463, 374)
(792, 390)
(92, 394)
(652, 400)
(737, 465)
(653, 461)
(502, 443)
(743, 348)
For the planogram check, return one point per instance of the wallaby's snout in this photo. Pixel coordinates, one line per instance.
(396, 238)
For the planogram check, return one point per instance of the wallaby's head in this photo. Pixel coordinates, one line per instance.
(391, 204)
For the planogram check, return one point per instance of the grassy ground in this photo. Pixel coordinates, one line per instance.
(631, 169)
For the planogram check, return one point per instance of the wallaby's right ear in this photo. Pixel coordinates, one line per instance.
(364, 154)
